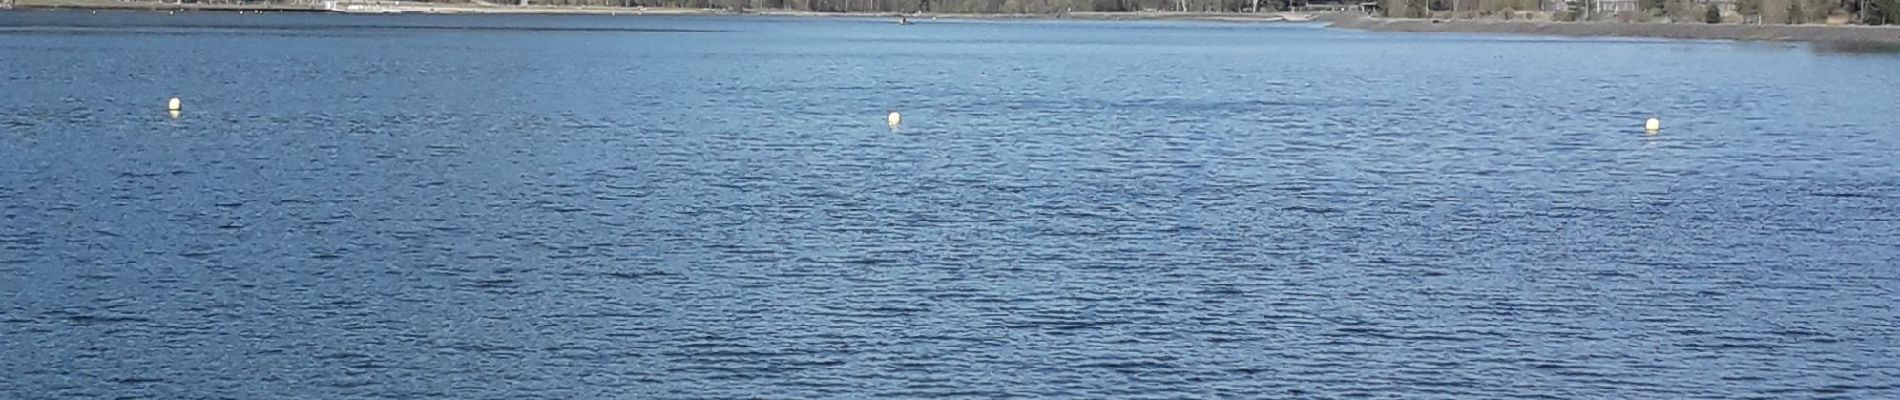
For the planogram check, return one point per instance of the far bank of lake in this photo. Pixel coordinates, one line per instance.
(1691, 31)
(1694, 31)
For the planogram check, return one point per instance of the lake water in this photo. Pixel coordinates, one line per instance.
(569, 207)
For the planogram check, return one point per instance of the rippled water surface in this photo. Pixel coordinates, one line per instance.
(561, 207)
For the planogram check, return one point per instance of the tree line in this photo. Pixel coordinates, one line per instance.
(947, 6)
(1870, 12)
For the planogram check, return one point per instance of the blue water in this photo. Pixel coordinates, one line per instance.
(566, 207)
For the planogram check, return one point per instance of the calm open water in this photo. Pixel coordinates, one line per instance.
(562, 207)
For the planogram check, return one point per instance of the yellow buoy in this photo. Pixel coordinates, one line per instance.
(174, 105)
(895, 119)
(1652, 124)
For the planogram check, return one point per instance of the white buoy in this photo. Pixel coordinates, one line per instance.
(894, 119)
(174, 105)
(1653, 124)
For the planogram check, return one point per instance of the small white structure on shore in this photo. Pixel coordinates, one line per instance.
(1652, 125)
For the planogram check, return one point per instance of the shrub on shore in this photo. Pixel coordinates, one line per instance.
(1748, 8)
(1819, 11)
(1882, 12)
(1681, 11)
(1714, 14)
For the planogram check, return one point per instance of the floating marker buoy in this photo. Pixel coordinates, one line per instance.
(894, 119)
(1652, 124)
(174, 105)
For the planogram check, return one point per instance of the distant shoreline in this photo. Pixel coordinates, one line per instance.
(407, 7)
(1690, 31)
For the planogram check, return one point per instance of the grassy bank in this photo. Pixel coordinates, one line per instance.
(1805, 33)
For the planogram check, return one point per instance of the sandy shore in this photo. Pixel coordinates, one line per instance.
(1804, 33)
